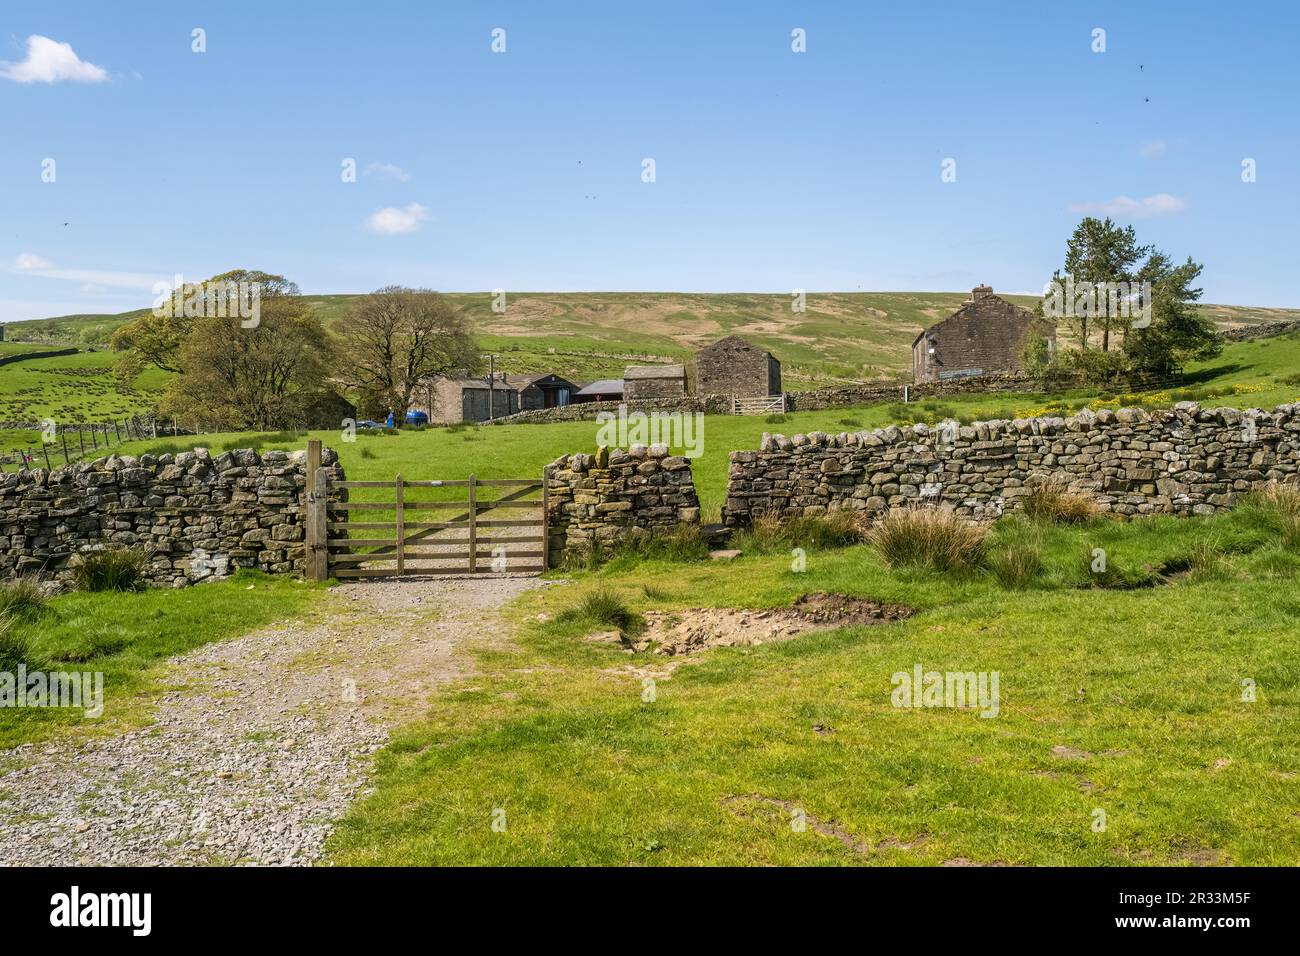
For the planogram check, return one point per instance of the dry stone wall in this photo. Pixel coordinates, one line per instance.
(1184, 460)
(605, 497)
(193, 516)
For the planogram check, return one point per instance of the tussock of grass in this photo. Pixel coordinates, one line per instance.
(22, 599)
(683, 543)
(1015, 566)
(17, 649)
(603, 608)
(1052, 500)
(927, 537)
(770, 533)
(1276, 508)
(112, 569)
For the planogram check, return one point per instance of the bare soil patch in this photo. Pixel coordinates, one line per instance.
(674, 633)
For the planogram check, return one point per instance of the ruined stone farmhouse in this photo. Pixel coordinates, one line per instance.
(986, 336)
(732, 366)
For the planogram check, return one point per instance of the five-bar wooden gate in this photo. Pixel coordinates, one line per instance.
(408, 528)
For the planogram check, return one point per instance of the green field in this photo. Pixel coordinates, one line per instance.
(1128, 702)
(73, 388)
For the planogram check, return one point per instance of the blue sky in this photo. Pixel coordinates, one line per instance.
(774, 170)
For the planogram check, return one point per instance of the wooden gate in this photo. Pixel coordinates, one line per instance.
(404, 527)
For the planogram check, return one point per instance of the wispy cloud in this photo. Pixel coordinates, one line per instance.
(49, 61)
(27, 261)
(30, 264)
(387, 171)
(1151, 148)
(392, 220)
(1122, 207)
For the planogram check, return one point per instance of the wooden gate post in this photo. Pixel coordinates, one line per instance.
(316, 545)
(473, 524)
(401, 525)
(546, 521)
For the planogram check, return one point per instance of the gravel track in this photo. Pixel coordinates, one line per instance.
(264, 741)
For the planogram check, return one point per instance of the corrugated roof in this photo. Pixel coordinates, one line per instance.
(606, 386)
(654, 371)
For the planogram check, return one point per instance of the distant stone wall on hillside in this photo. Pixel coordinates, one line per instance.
(1184, 460)
(195, 517)
(1264, 331)
(602, 499)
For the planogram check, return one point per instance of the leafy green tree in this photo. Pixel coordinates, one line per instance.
(396, 337)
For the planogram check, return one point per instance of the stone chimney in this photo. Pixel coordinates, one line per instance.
(981, 292)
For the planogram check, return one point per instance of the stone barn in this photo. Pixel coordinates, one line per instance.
(734, 367)
(654, 381)
(986, 336)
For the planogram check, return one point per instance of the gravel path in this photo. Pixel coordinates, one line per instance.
(263, 744)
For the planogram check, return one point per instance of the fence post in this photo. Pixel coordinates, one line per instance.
(401, 525)
(46, 448)
(473, 524)
(94, 438)
(316, 545)
(81, 437)
(546, 521)
(64, 436)
(116, 429)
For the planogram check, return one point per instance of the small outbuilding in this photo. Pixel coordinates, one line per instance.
(542, 390)
(733, 366)
(449, 400)
(654, 381)
(604, 390)
(987, 335)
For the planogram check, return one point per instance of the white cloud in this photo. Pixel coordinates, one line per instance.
(27, 261)
(387, 171)
(1122, 207)
(1151, 148)
(49, 61)
(391, 220)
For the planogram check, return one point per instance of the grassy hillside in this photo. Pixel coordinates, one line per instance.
(72, 388)
(841, 336)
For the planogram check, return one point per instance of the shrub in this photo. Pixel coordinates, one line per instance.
(1276, 507)
(928, 537)
(17, 649)
(771, 533)
(1052, 500)
(603, 608)
(112, 569)
(21, 598)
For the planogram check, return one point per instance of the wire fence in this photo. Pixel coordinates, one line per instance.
(60, 446)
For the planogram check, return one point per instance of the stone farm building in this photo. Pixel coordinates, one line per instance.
(604, 390)
(542, 390)
(654, 381)
(450, 399)
(732, 366)
(986, 336)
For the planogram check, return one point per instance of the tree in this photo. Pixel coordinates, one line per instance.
(1097, 252)
(1178, 332)
(394, 338)
(1102, 257)
(156, 337)
(268, 376)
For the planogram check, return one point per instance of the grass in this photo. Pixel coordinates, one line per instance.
(602, 608)
(1050, 499)
(126, 635)
(1129, 700)
(111, 569)
(934, 538)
